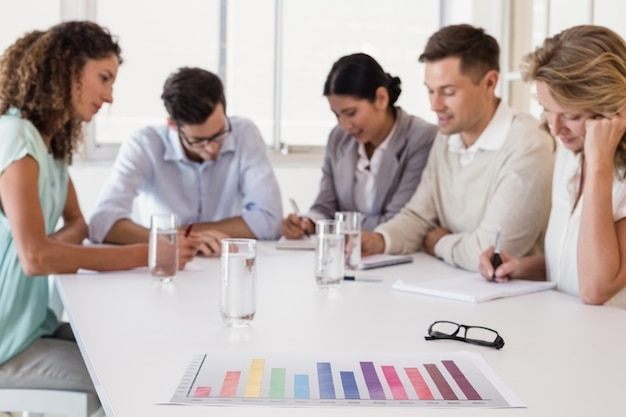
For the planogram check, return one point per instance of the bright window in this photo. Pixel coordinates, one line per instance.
(284, 99)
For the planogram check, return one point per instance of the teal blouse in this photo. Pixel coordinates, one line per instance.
(24, 312)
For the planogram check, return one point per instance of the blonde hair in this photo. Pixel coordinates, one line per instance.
(584, 68)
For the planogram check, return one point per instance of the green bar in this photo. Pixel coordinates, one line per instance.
(277, 383)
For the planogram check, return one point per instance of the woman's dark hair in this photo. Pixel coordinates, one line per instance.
(191, 94)
(359, 75)
(36, 75)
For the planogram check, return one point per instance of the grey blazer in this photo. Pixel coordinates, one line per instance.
(399, 174)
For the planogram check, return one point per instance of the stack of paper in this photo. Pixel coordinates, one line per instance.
(473, 288)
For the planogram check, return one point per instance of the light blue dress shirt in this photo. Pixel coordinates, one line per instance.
(24, 312)
(152, 174)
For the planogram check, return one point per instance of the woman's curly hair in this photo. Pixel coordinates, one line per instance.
(36, 75)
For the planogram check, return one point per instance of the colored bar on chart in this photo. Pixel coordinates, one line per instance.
(461, 380)
(277, 383)
(229, 386)
(419, 385)
(301, 386)
(255, 379)
(371, 380)
(202, 392)
(350, 390)
(325, 379)
(395, 385)
(441, 383)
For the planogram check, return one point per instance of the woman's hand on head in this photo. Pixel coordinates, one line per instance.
(602, 137)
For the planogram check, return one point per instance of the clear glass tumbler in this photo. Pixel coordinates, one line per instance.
(238, 282)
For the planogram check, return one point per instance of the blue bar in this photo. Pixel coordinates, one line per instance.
(301, 386)
(350, 390)
(325, 378)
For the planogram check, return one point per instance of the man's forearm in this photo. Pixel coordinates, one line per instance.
(233, 227)
(125, 232)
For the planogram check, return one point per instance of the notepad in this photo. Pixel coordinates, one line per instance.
(473, 288)
(304, 243)
(381, 260)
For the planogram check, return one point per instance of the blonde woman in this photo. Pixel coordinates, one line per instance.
(581, 83)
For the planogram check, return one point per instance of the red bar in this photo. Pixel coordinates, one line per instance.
(202, 392)
(419, 385)
(231, 381)
(397, 390)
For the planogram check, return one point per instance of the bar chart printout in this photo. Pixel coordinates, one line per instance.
(450, 380)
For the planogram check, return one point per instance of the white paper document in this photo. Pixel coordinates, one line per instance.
(473, 288)
(304, 243)
(331, 379)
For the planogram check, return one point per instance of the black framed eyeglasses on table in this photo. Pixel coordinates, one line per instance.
(476, 335)
(201, 142)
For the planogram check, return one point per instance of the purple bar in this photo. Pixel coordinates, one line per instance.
(442, 385)
(462, 382)
(371, 380)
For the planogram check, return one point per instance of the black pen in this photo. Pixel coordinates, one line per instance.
(294, 207)
(364, 279)
(496, 261)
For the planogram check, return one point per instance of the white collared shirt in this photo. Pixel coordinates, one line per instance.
(491, 139)
(365, 175)
(152, 174)
(563, 233)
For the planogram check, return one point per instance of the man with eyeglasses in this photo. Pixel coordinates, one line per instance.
(211, 170)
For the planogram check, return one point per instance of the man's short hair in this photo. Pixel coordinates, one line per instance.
(479, 52)
(191, 94)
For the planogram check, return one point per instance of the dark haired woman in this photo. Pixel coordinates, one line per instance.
(374, 156)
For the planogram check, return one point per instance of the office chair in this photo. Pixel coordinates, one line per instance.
(40, 402)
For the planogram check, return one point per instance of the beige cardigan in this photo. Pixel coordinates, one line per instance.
(507, 189)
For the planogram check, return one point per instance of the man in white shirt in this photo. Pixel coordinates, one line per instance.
(213, 171)
(490, 167)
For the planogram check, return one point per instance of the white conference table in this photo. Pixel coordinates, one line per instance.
(561, 358)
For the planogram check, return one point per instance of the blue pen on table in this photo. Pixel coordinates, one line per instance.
(188, 229)
(294, 207)
(496, 261)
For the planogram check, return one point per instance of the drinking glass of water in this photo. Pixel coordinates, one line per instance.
(238, 282)
(350, 228)
(163, 246)
(329, 254)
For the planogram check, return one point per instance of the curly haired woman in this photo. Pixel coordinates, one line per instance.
(50, 83)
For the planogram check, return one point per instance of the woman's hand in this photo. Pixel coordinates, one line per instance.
(508, 269)
(602, 137)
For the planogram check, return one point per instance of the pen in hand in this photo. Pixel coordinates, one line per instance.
(294, 207)
(188, 229)
(496, 261)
